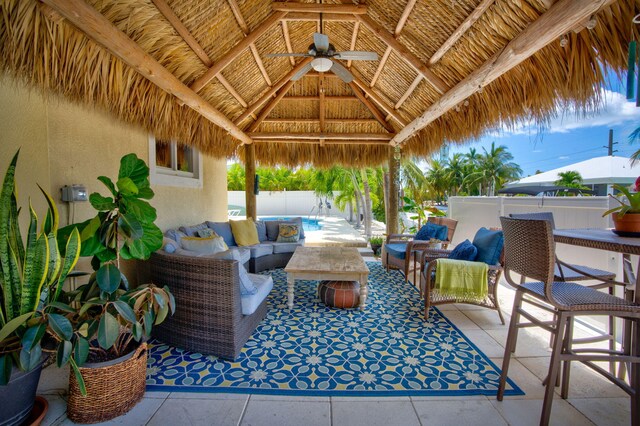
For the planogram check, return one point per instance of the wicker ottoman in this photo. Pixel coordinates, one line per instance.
(339, 294)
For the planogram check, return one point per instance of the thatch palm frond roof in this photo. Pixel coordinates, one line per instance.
(446, 71)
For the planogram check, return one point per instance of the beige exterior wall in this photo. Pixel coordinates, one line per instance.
(63, 143)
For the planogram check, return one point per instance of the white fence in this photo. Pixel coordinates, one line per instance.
(287, 203)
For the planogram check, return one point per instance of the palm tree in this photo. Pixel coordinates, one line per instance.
(496, 168)
(456, 172)
(235, 177)
(634, 137)
(437, 179)
(570, 179)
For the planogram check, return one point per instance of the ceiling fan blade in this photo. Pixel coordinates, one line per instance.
(356, 55)
(321, 41)
(342, 72)
(297, 76)
(281, 55)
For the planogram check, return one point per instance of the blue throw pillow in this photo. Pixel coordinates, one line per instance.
(192, 231)
(262, 231)
(464, 251)
(224, 230)
(431, 230)
(489, 245)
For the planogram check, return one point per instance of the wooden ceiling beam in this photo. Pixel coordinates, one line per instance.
(351, 9)
(321, 135)
(371, 107)
(403, 52)
(245, 29)
(212, 72)
(102, 31)
(459, 32)
(313, 17)
(317, 120)
(561, 18)
(321, 106)
(317, 74)
(317, 98)
(405, 15)
(354, 38)
(186, 35)
(324, 142)
(287, 41)
(271, 105)
(272, 91)
(378, 100)
(409, 91)
(383, 62)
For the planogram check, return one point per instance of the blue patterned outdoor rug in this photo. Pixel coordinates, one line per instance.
(387, 350)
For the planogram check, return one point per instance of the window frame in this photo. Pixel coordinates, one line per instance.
(171, 176)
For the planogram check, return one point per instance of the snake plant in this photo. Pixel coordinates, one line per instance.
(32, 273)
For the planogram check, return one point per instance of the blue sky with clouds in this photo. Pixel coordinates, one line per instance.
(568, 138)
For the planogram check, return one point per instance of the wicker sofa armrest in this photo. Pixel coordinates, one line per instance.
(399, 238)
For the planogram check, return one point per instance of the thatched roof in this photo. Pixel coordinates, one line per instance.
(424, 87)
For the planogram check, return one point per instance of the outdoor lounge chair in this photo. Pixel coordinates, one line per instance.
(530, 252)
(428, 278)
(401, 249)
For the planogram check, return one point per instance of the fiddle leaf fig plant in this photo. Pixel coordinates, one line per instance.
(32, 273)
(631, 205)
(109, 315)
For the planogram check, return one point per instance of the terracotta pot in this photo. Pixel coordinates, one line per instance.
(629, 222)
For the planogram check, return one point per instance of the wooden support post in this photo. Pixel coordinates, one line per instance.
(392, 208)
(250, 179)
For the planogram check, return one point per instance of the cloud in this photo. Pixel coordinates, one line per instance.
(616, 111)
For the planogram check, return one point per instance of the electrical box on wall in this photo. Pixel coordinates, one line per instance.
(73, 193)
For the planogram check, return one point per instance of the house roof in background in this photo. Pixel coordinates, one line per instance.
(197, 70)
(599, 170)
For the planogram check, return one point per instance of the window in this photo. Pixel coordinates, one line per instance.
(172, 164)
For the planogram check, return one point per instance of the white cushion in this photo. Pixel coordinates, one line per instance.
(264, 284)
(209, 245)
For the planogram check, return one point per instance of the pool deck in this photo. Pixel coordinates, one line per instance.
(335, 231)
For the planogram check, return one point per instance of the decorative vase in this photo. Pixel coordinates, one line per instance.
(628, 223)
(18, 396)
(113, 388)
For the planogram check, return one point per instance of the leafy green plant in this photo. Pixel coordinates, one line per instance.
(32, 275)
(420, 212)
(105, 316)
(631, 205)
(376, 240)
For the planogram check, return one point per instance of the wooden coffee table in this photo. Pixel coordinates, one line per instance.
(327, 263)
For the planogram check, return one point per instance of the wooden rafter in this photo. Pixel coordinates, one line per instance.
(459, 32)
(103, 32)
(271, 105)
(353, 9)
(327, 136)
(317, 98)
(245, 29)
(212, 72)
(317, 120)
(403, 52)
(409, 91)
(254, 106)
(383, 62)
(378, 100)
(287, 41)
(561, 18)
(186, 35)
(324, 141)
(371, 107)
(313, 17)
(354, 38)
(321, 106)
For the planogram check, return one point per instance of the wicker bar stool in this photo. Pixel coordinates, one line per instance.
(530, 252)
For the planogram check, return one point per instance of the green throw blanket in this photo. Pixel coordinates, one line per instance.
(462, 280)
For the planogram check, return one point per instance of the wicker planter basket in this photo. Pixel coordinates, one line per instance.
(111, 390)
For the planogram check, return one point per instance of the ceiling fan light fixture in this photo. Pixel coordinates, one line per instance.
(322, 64)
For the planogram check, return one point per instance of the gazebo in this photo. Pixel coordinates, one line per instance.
(201, 72)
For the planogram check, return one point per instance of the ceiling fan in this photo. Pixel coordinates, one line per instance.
(324, 54)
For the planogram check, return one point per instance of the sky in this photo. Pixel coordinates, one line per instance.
(568, 138)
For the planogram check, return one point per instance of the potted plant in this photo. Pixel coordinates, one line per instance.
(626, 217)
(376, 243)
(107, 321)
(32, 275)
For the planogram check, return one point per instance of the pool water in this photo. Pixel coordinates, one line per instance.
(307, 224)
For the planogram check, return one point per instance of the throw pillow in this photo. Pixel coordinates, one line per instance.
(432, 230)
(169, 245)
(244, 232)
(261, 227)
(224, 230)
(206, 233)
(464, 251)
(175, 235)
(192, 231)
(289, 233)
(489, 245)
(210, 245)
(273, 229)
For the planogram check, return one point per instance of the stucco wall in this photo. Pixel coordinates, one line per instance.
(63, 143)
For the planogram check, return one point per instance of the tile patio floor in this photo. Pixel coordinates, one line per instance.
(592, 399)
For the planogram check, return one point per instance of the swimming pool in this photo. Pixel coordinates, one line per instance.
(307, 224)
